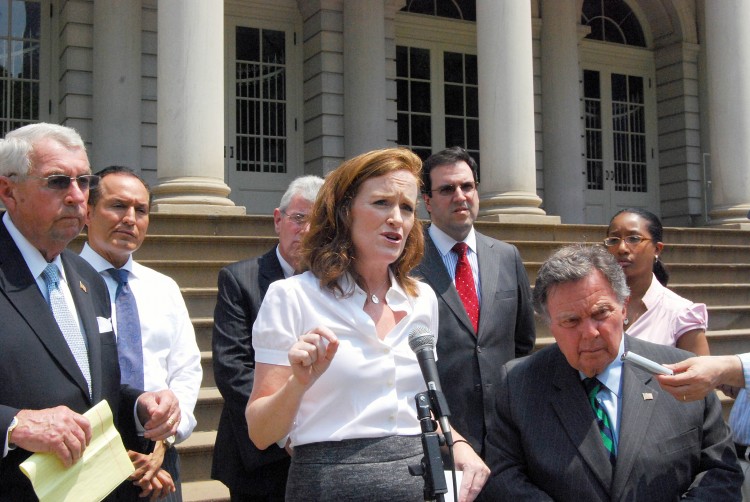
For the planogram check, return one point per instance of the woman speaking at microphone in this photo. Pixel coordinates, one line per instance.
(335, 377)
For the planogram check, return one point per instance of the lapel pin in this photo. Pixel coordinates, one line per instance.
(83, 287)
(647, 396)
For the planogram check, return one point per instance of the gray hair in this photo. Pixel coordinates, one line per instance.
(306, 187)
(18, 146)
(573, 263)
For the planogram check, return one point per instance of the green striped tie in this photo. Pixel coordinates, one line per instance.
(592, 386)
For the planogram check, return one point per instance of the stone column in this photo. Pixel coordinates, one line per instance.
(364, 76)
(561, 111)
(506, 113)
(728, 62)
(190, 109)
(116, 132)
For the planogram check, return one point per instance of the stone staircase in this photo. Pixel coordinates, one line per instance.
(706, 265)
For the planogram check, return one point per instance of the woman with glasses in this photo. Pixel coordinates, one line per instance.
(654, 313)
(334, 370)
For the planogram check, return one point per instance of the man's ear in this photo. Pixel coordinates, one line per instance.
(427, 205)
(7, 193)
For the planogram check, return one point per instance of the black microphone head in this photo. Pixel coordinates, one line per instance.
(421, 338)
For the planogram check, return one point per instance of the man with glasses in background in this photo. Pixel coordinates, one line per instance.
(249, 473)
(486, 312)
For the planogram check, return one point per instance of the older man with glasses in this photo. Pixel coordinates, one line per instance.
(58, 355)
(486, 313)
(252, 474)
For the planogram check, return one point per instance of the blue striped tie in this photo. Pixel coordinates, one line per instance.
(592, 386)
(68, 324)
(129, 345)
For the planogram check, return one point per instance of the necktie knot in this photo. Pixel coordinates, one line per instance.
(120, 275)
(460, 249)
(592, 386)
(51, 276)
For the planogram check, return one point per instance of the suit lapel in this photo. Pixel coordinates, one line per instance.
(576, 417)
(269, 270)
(636, 415)
(488, 273)
(18, 285)
(434, 272)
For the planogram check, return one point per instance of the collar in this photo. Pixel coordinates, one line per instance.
(100, 263)
(444, 242)
(611, 376)
(652, 293)
(285, 267)
(31, 255)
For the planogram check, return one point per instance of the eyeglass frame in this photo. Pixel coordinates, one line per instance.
(298, 219)
(90, 181)
(637, 238)
(467, 188)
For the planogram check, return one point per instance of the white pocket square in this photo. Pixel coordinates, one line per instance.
(105, 324)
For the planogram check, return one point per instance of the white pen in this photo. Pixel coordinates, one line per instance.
(646, 364)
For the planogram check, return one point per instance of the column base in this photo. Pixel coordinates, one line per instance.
(730, 216)
(514, 207)
(527, 219)
(193, 195)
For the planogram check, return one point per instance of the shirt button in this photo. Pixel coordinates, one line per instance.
(390, 383)
(392, 418)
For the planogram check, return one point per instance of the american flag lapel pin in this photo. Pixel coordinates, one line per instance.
(647, 396)
(82, 286)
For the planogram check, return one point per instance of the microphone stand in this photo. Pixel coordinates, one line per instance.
(431, 466)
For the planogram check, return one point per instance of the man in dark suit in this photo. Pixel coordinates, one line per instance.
(575, 422)
(469, 358)
(52, 371)
(252, 474)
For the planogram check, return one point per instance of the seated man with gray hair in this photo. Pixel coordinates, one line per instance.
(575, 422)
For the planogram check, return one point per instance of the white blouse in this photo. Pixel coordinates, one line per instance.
(368, 390)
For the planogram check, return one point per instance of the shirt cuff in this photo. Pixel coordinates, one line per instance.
(139, 428)
(745, 360)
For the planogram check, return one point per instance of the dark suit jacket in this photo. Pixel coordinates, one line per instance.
(469, 365)
(37, 368)
(237, 462)
(545, 444)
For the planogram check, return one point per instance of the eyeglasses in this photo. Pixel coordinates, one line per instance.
(448, 190)
(62, 182)
(298, 219)
(631, 240)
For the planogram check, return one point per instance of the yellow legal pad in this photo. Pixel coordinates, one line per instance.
(104, 465)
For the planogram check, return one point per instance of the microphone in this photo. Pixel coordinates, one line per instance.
(422, 343)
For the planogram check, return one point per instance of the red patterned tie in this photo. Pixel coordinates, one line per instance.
(465, 284)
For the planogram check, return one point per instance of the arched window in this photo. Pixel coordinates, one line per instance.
(454, 9)
(612, 21)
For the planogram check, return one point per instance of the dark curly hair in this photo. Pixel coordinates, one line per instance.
(327, 249)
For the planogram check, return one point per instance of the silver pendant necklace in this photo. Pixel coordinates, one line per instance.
(373, 298)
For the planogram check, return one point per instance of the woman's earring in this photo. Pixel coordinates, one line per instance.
(656, 258)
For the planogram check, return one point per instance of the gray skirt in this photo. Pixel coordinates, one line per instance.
(371, 469)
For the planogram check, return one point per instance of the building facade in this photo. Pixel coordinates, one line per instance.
(573, 108)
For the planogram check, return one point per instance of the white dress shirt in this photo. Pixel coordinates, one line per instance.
(171, 358)
(444, 244)
(368, 390)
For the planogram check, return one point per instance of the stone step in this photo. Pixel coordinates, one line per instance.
(203, 327)
(205, 491)
(197, 273)
(196, 454)
(241, 225)
(208, 409)
(233, 248)
(726, 294)
(207, 360)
